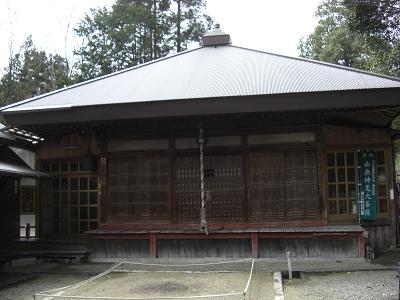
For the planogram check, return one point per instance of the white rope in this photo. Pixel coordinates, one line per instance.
(203, 215)
(76, 285)
(154, 298)
(250, 277)
(79, 283)
(201, 142)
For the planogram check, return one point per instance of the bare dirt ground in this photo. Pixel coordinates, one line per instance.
(146, 284)
(172, 284)
(345, 285)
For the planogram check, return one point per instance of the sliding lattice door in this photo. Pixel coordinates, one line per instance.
(138, 189)
(223, 178)
(283, 186)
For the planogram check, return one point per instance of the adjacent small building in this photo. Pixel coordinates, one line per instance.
(297, 156)
(17, 188)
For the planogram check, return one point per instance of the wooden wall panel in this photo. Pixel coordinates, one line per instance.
(69, 146)
(117, 249)
(232, 248)
(322, 247)
(378, 236)
(354, 136)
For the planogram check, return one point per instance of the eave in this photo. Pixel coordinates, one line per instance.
(314, 101)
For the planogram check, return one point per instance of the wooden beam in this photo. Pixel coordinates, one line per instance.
(254, 236)
(254, 244)
(153, 245)
(195, 226)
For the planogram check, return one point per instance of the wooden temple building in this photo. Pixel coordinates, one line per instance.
(296, 156)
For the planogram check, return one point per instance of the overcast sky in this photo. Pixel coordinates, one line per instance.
(269, 25)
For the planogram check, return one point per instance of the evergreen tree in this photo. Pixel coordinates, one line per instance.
(137, 31)
(337, 40)
(31, 73)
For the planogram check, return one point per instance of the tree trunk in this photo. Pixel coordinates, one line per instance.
(178, 27)
(154, 46)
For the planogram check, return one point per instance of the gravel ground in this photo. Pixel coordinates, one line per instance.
(346, 285)
(24, 290)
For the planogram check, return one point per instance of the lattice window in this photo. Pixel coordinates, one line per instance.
(382, 194)
(223, 178)
(138, 189)
(342, 183)
(74, 205)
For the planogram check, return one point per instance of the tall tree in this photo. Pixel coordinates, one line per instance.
(336, 40)
(375, 17)
(32, 72)
(137, 31)
(189, 21)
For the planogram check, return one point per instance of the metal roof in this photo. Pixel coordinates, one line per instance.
(18, 170)
(5, 136)
(208, 72)
(11, 164)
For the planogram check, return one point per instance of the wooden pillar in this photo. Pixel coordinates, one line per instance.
(254, 244)
(153, 245)
(245, 170)
(361, 243)
(171, 175)
(103, 190)
(322, 171)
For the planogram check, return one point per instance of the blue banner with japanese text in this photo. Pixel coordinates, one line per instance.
(367, 184)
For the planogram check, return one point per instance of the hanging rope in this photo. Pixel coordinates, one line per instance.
(203, 219)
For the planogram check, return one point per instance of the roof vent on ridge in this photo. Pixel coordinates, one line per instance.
(216, 37)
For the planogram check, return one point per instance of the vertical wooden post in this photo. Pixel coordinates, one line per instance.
(322, 171)
(245, 176)
(393, 205)
(361, 244)
(103, 190)
(153, 245)
(171, 175)
(254, 244)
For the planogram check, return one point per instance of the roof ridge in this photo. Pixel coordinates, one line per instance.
(96, 79)
(323, 63)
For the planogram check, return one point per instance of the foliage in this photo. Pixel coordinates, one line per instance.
(32, 72)
(137, 31)
(342, 36)
(375, 17)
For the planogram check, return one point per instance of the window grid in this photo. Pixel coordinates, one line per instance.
(382, 194)
(342, 182)
(75, 197)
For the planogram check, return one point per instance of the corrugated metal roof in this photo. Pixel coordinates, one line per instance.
(209, 72)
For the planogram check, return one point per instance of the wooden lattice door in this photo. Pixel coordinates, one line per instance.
(283, 186)
(138, 189)
(224, 180)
